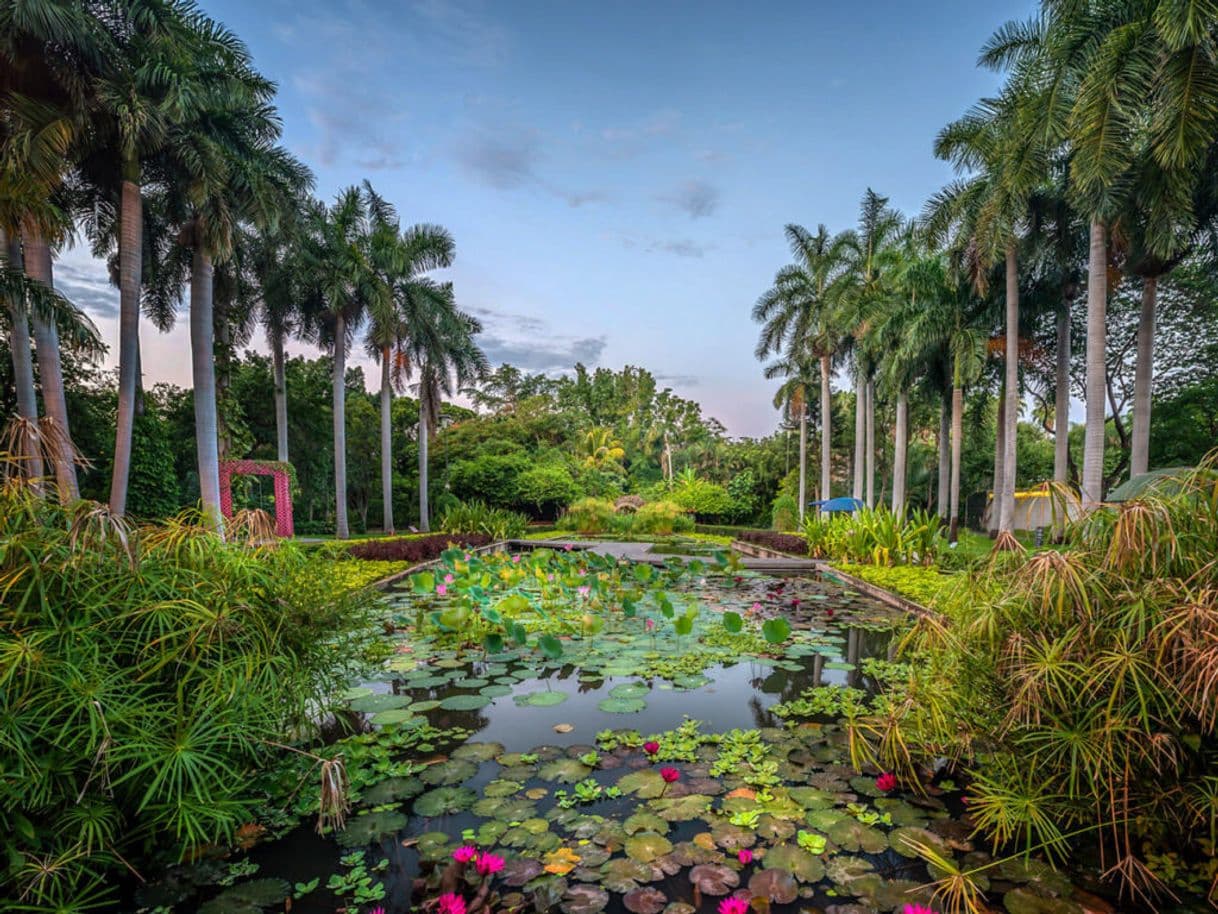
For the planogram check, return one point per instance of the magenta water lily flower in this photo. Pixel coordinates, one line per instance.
(584, 590)
(450, 903)
(516, 559)
(886, 781)
(448, 579)
(465, 853)
(568, 547)
(651, 747)
(670, 774)
(488, 864)
(441, 589)
(917, 909)
(734, 905)
(745, 856)
(649, 624)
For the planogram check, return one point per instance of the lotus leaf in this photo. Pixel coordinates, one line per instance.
(903, 813)
(465, 702)
(645, 901)
(354, 693)
(772, 829)
(398, 716)
(507, 809)
(647, 846)
(564, 771)
(433, 846)
(621, 705)
(695, 681)
(774, 884)
(368, 827)
(646, 783)
(427, 682)
(497, 690)
(490, 832)
(843, 870)
(542, 699)
(478, 752)
(866, 786)
(429, 704)
(680, 907)
(895, 894)
(630, 690)
(795, 860)
(474, 682)
(714, 878)
(226, 904)
(811, 797)
(448, 773)
(501, 787)
(584, 899)
(370, 704)
(824, 819)
(391, 789)
(444, 801)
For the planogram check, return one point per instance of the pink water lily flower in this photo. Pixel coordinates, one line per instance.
(584, 590)
(450, 903)
(568, 547)
(670, 774)
(917, 909)
(488, 864)
(649, 624)
(651, 747)
(734, 905)
(465, 853)
(448, 579)
(441, 589)
(516, 559)
(886, 781)
(745, 856)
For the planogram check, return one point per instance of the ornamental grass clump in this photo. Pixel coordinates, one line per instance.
(1079, 690)
(144, 675)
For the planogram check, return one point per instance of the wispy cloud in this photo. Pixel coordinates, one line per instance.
(679, 247)
(696, 198)
(510, 158)
(86, 284)
(532, 344)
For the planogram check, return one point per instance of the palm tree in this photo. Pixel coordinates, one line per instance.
(802, 313)
(800, 374)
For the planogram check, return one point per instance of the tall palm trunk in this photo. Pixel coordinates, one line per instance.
(130, 262)
(339, 408)
(1010, 418)
(386, 443)
(1139, 454)
(870, 456)
(203, 374)
(803, 459)
(23, 363)
(826, 426)
(957, 437)
(1000, 443)
(50, 369)
(424, 518)
(900, 448)
(860, 432)
(1061, 407)
(1097, 312)
(942, 496)
(280, 382)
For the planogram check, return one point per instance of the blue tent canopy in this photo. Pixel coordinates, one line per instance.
(837, 505)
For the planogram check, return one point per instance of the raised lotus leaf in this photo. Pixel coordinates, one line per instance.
(391, 789)
(795, 860)
(622, 874)
(546, 698)
(905, 839)
(368, 827)
(645, 901)
(450, 772)
(852, 835)
(645, 821)
(645, 783)
(714, 878)
(465, 702)
(584, 899)
(774, 884)
(621, 705)
(370, 704)
(681, 809)
(564, 771)
(518, 871)
(647, 846)
(478, 752)
(501, 787)
(695, 681)
(1025, 900)
(444, 801)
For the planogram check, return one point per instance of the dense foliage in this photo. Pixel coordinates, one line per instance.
(414, 549)
(876, 536)
(144, 674)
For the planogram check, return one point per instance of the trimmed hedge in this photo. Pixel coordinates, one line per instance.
(416, 549)
(790, 543)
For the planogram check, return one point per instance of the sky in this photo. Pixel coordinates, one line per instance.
(616, 175)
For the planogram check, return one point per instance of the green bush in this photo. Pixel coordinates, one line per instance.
(591, 516)
(784, 514)
(662, 518)
(143, 674)
(546, 487)
(479, 517)
(876, 536)
(700, 497)
(492, 478)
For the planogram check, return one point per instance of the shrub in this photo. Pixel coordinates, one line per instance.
(662, 518)
(589, 516)
(493, 478)
(415, 549)
(142, 674)
(784, 514)
(790, 543)
(546, 487)
(478, 517)
(700, 497)
(924, 585)
(876, 536)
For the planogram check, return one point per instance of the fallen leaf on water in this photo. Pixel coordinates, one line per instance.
(563, 728)
(561, 861)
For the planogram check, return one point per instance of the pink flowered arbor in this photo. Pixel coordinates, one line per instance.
(283, 488)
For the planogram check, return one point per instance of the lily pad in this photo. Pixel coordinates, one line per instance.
(369, 827)
(397, 716)
(501, 787)
(621, 705)
(446, 774)
(542, 699)
(564, 771)
(903, 840)
(630, 690)
(796, 861)
(1024, 900)
(478, 752)
(370, 704)
(645, 821)
(646, 783)
(391, 789)
(260, 892)
(645, 901)
(519, 871)
(624, 875)
(774, 884)
(465, 702)
(647, 846)
(851, 835)
(584, 899)
(444, 801)
(714, 878)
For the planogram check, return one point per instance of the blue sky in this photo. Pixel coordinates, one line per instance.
(616, 176)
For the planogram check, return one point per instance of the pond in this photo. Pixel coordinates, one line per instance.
(616, 737)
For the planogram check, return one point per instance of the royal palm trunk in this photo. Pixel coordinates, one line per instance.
(900, 446)
(870, 455)
(1139, 454)
(803, 458)
(23, 363)
(1010, 419)
(203, 375)
(339, 409)
(826, 425)
(130, 260)
(957, 437)
(1000, 442)
(860, 432)
(281, 396)
(1061, 407)
(942, 498)
(424, 519)
(386, 443)
(1096, 386)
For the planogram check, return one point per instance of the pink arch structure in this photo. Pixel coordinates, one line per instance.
(283, 488)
